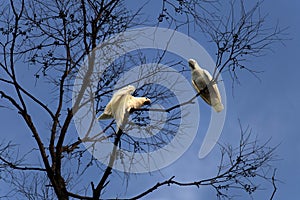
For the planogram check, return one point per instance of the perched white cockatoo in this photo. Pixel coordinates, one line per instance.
(122, 103)
(202, 82)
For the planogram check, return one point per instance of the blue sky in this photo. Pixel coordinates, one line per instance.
(269, 107)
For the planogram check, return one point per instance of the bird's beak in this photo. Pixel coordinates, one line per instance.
(191, 64)
(147, 102)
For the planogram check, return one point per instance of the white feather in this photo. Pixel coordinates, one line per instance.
(202, 82)
(121, 103)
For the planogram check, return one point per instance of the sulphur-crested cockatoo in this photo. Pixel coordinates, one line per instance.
(122, 103)
(202, 82)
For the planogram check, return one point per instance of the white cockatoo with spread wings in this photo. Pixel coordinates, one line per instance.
(122, 103)
(206, 86)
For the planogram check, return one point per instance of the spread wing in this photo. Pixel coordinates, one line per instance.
(116, 106)
(119, 106)
(107, 112)
(124, 91)
(119, 103)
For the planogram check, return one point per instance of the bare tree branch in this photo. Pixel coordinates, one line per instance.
(237, 166)
(53, 38)
(274, 185)
(14, 166)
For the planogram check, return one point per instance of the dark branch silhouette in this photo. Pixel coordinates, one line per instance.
(249, 159)
(51, 40)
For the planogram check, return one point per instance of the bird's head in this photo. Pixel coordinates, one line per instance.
(147, 101)
(192, 63)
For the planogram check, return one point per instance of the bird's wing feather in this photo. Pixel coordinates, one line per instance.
(126, 90)
(197, 77)
(119, 108)
(195, 86)
(214, 93)
(210, 94)
(114, 106)
(216, 98)
(206, 94)
(200, 84)
(107, 112)
(105, 116)
(207, 76)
